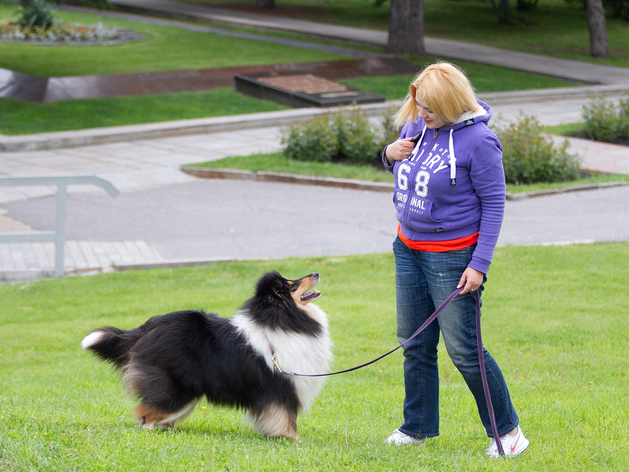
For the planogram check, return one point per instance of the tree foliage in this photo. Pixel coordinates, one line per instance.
(619, 8)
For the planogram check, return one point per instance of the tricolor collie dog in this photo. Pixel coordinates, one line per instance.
(173, 360)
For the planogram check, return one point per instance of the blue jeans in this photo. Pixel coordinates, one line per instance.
(423, 280)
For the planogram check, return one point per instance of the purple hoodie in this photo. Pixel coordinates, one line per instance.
(436, 201)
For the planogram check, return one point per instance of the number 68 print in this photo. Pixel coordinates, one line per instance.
(421, 180)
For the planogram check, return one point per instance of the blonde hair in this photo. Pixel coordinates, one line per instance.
(446, 91)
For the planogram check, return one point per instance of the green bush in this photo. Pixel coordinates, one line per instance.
(623, 118)
(358, 140)
(602, 122)
(314, 140)
(36, 13)
(390, 131)
(345, 136)
(98, 4)
(531, 157)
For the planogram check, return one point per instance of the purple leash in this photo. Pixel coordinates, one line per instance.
(483, 375)
(481, 360)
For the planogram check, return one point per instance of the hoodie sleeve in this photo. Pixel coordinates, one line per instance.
(488, 181)
(385, 161)
(403, 134)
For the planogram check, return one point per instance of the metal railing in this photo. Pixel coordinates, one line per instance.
(59, 235)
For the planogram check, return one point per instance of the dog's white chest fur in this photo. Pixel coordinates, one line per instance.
(297, 353)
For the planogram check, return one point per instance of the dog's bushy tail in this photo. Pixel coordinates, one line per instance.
(111, 344)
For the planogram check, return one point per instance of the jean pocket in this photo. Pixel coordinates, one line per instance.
(464, 251)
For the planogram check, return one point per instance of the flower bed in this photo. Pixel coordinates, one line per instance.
(58, 33)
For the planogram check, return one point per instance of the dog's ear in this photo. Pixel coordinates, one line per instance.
(278, 288)
(272, 284)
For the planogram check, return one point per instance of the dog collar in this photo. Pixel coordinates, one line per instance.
(274, 359)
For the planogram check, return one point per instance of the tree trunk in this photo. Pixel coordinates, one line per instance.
(503, 11)
(507, 14)
(406, 28)
(265, 3)
(596, 25)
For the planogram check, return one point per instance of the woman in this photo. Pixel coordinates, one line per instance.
(449, 200)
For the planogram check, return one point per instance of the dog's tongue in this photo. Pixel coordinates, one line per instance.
(310, 295)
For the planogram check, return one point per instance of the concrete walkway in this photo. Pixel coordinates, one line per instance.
(167, 217)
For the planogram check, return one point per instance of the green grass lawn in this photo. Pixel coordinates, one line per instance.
(276, 162)
(566, 129)
(168, 48)
(483, 77)
(27, 118)
(164, 48)
(171, 48)
(555, 28)
(553, 317)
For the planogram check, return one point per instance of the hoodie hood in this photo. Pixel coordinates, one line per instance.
(468, 118)
(472, 117)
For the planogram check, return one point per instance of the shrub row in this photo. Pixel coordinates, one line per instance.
(529, 156)
(606, 122)
(347, 136)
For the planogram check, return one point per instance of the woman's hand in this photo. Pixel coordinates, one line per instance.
(400, 150)
(471, 279)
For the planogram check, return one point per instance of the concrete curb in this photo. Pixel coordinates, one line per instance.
(31, 275)
(577, 188)
(15, 276)
(25, 275)
(205, 173)
(173, 264)
(234, 174)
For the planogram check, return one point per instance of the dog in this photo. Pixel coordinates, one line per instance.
(173, 360)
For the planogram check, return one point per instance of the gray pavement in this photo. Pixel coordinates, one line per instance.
(217, 219)
(166, 217)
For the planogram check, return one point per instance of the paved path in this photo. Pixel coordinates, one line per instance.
(164, 216)
(214, 219)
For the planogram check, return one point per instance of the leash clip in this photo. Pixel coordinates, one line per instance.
(277, 366)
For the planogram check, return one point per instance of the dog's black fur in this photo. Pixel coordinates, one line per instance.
(173, 360)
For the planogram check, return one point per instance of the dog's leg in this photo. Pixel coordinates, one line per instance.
(275, 421)
(150, 416)
(178, 416)
(147, 415)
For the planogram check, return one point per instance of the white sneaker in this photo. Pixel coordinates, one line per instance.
(398, 438)
(511, 445)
